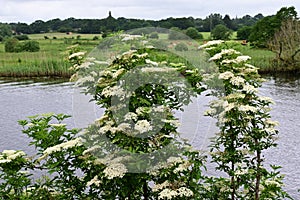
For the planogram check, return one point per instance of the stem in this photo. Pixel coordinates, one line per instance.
(258, 175)
(145, 189)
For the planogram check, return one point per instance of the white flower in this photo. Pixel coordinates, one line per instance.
(115, 170)
(228, 61)
(246, 108)
(158, 187)
(10, 155)
(130, 116)
(157, 69)
(113, 91)
(226, 75)
(118, 73)
(174, 160)
(272, 123)
(211, 43)
(249, 89)
(76, 54)
(217, 56)
(124, 126)
(167, 194)
(143, 126)
(240, 59)
(235, 96)
(237, 80)
(182, 167)
(172, 122)
(272, 182)
(184, 192)
(59, 147)
(94, 181)
(148, 61)
(127, 37)
(266, 99)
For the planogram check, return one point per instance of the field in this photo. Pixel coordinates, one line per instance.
(51, 59)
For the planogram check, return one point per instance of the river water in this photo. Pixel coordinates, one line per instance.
(22, 98)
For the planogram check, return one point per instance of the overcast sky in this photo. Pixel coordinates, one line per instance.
(30, 10)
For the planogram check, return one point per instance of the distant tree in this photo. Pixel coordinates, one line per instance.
(211, 21)
(264, 30)
(221, 32)
(228, 22)
(5, 30)
(286, 43)
(193, 33)
(244, 32)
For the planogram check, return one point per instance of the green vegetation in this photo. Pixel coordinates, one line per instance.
(49, 61)
(221, 32)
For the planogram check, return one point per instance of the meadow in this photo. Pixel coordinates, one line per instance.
(51, 59)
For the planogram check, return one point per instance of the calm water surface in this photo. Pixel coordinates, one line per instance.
(19, 99)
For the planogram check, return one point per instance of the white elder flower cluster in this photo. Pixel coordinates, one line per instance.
(226, 75)
(237, 80)
(158, 69)
(218, 56)
(209, 44)
(7, 156)
(249, 89)
(173, 122)
(115, 170)
(94, 181)
(180, 192)
(77, 54)
(148, 61)
(63, 146)
(114, 91)
(127, 37)
(143, 126)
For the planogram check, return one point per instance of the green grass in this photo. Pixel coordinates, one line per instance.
(49, 61)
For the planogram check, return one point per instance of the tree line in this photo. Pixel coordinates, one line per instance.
(111, 24)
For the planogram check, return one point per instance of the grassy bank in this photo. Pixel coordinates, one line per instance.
(49, 61)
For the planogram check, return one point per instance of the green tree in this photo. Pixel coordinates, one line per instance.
(221, 32)
(176, 34)
(193, 33)
(263, 31)
(5, 30)
(31, 46)
(244, 32)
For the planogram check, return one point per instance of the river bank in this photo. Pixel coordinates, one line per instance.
(51, 60)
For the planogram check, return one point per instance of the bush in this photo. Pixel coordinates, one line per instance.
(10, 44)
(95, 38)
(176, 34)
(13, 45)
(22, 37)
(244, 32)
(193, 33)
(154, 35)
(31, 46)
(221, 32)
(181, 47)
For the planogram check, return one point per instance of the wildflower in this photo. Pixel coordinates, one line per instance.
(130, 116)
(77, 54)
(237, 80)
(240, 59)
(9, 155)
(143, 126)
(172, 122)
(148, 61)
(246, 108)
(158, 187)
(94, 181)
(118, 73)
(174, 160)
(226, 75)
(249, 89)
(115, 170)
(211, 43)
